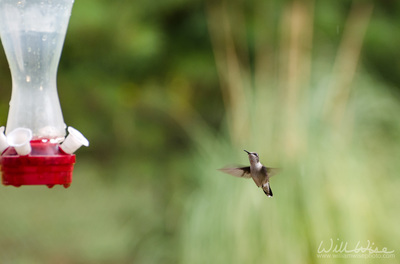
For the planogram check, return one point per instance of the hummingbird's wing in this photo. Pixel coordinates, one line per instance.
(243, 172)
(269, 171)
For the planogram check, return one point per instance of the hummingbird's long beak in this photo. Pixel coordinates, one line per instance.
(247, 152)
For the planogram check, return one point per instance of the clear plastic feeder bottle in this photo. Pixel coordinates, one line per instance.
(32, 33)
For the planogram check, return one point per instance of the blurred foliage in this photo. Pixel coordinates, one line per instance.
(169, 92)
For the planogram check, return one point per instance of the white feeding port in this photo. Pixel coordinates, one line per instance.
(73, 141)
(20, 139)
(3, 140)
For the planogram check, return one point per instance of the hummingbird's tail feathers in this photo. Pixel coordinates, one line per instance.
(267, 190)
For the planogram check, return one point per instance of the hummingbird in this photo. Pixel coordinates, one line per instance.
(256, 170)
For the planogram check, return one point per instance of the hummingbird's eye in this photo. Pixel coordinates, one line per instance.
(255, 154)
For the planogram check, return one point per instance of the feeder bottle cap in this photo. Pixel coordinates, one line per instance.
(73, 141)
(3, 140)
(20, 139)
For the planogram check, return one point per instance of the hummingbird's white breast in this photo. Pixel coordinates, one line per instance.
(255, 171)
(258, 166)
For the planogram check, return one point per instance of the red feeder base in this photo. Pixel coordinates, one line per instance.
(45, 165)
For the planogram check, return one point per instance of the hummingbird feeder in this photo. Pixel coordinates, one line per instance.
(34, 147)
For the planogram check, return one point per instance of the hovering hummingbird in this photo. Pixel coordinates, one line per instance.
(256, 170)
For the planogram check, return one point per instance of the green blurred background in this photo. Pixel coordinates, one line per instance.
(169, 92)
